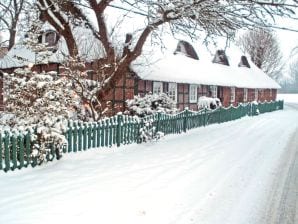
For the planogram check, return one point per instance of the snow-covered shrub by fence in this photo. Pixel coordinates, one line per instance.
(151, 104)
(16, 148)
(39, 103)
(208, 102)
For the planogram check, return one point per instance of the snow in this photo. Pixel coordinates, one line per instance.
(206, 102)
(288, 98)
(181, 69)
(211, 175)
(20, 55)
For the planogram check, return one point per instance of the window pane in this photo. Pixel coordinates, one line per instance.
(157, 87)
(173, 91)
(193, 93)
(232, 99)
(213, 90)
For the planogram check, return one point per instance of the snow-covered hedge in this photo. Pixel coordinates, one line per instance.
(151, 104)
(208, 102)
(148, 105)
(41, 103)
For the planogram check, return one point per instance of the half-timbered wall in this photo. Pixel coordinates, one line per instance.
(131, 85)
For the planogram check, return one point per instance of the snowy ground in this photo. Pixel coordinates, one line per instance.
(288, 98)
(218, 174)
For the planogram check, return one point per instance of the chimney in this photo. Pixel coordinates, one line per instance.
(243, 62)
(186, 49)
(221, 58)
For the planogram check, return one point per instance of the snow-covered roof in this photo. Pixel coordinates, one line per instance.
(182, 69)
(20, 56)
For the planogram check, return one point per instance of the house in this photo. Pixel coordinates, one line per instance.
(186, 78)
(183, 75)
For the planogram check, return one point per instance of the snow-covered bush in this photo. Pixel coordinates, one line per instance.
(42, 103)
(151, 104)
(148, 105)
(87, 89)
(208, 102)
(148, 132)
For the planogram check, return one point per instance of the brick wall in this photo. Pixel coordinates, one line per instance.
(125, 89)
(239, 96)
(226, 101)
(250, 95)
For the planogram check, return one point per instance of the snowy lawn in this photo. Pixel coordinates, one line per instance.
(288, 98)
(217, 174)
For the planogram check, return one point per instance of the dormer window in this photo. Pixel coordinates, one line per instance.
(186, 49)
(243, 62)
(220, 57)
(50, 38)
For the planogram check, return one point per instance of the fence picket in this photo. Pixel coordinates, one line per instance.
(89, 130)
(85, 133)
(80, 137)
(106, 133)
(21, 147)
(93, 135)
(75, 138)
(69, 138)
(6, 152)
(28, 148)
(98, 132)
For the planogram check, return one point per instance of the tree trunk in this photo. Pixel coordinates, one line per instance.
(12, 37)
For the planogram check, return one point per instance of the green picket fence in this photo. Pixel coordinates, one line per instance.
(16, 150)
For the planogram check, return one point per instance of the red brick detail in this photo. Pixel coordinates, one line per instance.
(193, 106)
(239, 92)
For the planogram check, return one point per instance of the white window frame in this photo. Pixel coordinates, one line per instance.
(43, 38)
(157, 88)
(256, 94)
(172, 91)
(193, 93)
(245, 94)
(233, 94)
(213, 90)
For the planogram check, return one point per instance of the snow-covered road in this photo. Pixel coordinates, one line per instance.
(221, 174)
(282, 202)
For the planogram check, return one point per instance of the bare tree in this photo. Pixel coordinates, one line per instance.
(187, 17)
(262, 46)
(291, 85)
(10, 13)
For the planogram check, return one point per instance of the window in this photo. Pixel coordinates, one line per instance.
(193, 93)
(49, 38)
(245, 95)
(157, 87)
(256, 94)
(213, 90)
(270, 92)
(173, 91)
(232, 98)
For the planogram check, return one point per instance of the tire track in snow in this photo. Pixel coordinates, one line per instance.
(283, 199)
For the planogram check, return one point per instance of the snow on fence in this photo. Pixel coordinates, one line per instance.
(16, 150)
